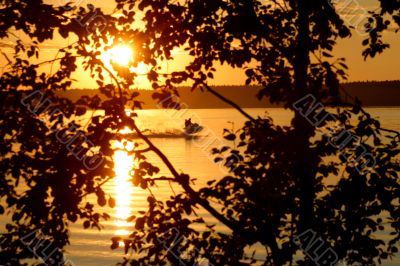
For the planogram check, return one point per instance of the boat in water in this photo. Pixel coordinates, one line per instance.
(192, 128)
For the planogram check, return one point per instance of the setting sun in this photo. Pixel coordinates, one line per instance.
(120, 54)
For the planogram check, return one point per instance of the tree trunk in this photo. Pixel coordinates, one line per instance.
(303, 129)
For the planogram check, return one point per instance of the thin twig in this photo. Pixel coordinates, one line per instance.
(162, 178)
(223, 98)
(172, 189)
(99, 185)
(62, 48)
(142, 151)
(55, 59)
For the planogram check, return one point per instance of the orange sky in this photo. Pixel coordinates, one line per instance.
(384, 67)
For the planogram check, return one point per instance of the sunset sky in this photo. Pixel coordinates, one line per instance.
(384, 67)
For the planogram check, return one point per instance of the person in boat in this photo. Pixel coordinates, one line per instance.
(192, 128)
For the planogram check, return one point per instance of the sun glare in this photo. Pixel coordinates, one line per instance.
(119, 54)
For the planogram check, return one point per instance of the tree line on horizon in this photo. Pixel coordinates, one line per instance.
(370, 93)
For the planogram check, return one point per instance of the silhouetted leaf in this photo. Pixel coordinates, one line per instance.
(139, 225)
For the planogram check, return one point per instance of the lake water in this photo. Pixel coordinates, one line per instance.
(91, 247)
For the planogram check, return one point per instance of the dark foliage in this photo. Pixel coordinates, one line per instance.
(280, 182)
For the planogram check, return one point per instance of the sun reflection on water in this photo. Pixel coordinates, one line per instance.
(123, 189)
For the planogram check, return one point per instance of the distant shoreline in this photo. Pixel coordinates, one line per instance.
(372, 94)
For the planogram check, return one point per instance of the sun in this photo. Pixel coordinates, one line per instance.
(120, 54)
